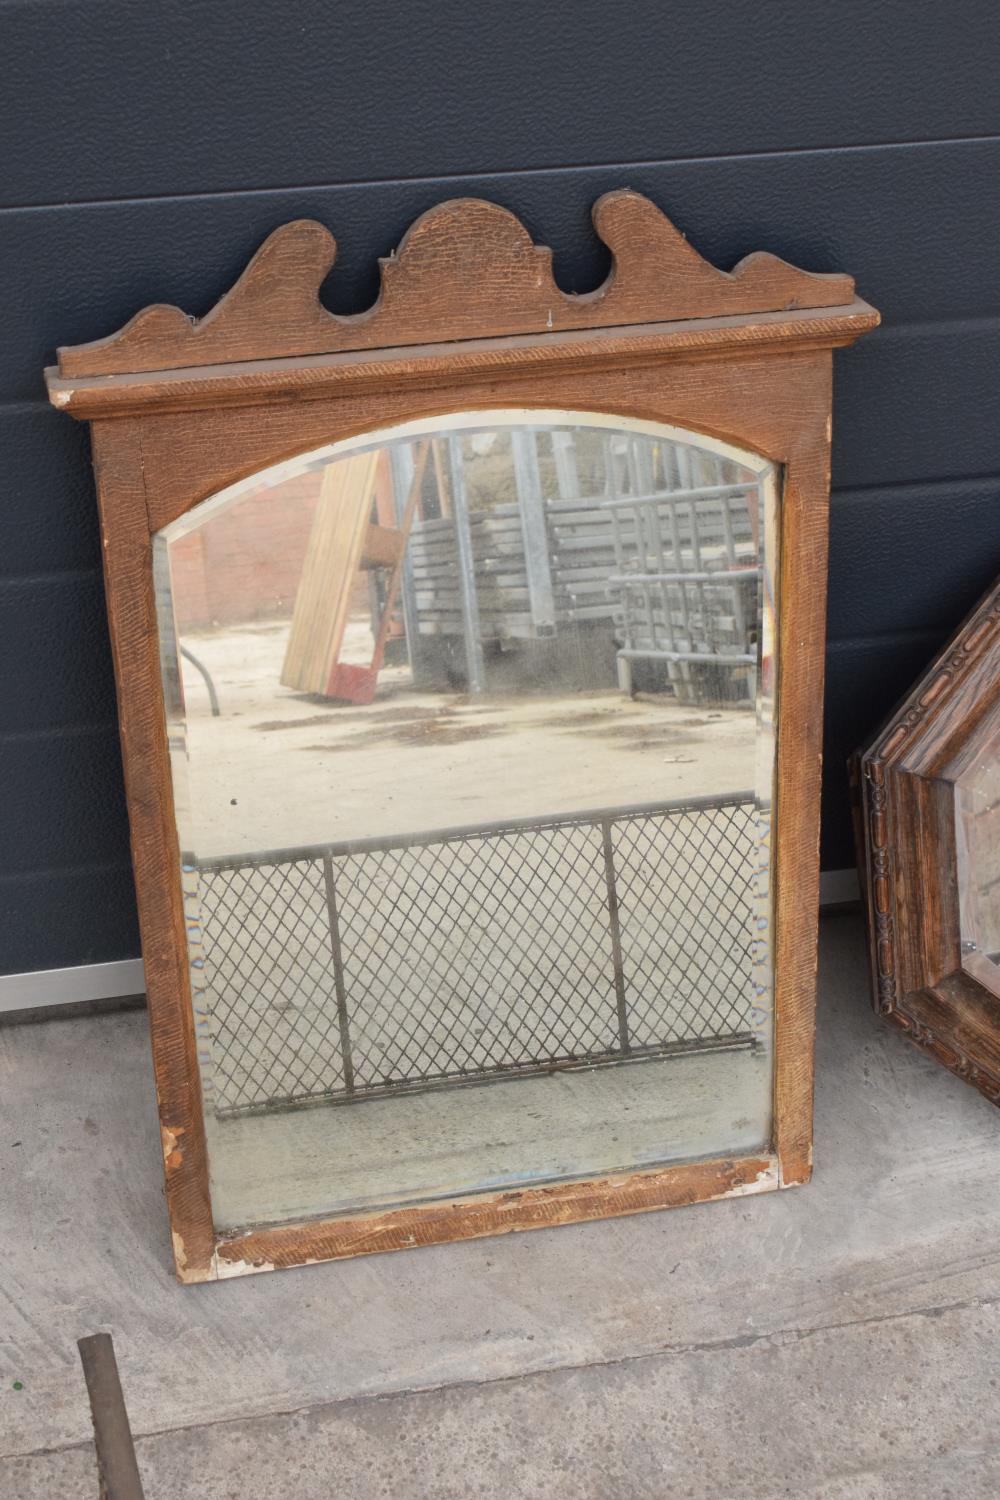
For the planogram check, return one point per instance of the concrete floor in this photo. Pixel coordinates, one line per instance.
(839, 1341)
(278, 769)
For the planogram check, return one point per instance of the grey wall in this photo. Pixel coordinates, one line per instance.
(148, 148)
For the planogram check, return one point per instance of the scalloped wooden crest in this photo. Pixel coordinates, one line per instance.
(465, 269)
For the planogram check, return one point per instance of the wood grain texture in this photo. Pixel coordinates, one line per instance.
(475, 1217)
(128, 573)
(731, 368)
(314, 377)
(777, 406)
(465, 269)
(801, 613)
(904, 786)
(755, 401)
(329, 570)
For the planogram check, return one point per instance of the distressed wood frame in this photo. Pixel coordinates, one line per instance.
(904, 792)
(468, 315)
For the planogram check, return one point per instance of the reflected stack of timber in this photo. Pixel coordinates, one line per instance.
(346, 539)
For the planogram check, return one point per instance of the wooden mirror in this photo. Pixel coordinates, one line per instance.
(928, 794)
(469, 657)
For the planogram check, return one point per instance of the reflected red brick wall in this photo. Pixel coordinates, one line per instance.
(245, 562)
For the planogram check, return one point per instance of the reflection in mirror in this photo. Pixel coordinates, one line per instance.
(472, 743)
(977, 841)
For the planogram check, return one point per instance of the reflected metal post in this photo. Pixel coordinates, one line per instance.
(623, 660)
(534, 530)
(696, 582)
(676, 670)
(683, 457)
(675, 534)
(475, 666)
(641, 466)
(660, 563)
(739, 614)
(206, 676)
(564, 453)
(401, 468)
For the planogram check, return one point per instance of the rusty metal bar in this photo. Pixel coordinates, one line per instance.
(338, 974)
(468, 830)
(616, 937)
(737, 1041)
(117, 1467)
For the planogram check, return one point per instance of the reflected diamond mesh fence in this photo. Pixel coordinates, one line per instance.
(344, 971)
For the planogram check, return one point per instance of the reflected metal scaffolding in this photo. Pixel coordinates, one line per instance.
(660, 562)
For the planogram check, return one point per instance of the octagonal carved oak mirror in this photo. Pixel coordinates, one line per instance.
(469, 659)
(929, 848)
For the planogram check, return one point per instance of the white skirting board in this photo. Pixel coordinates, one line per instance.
(71, 986)
(109, 981)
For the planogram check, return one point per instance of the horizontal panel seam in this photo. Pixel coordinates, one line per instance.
(889, 330)
(859, 492)
(18, 403)
(59, 731)
(504, 173)
(893, 638)
(56, 575)
(47, 872)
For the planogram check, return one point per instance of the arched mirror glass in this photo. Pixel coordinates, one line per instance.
(471, 729)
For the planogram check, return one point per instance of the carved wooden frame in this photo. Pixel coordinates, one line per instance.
(468, 314)
(904, 786)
